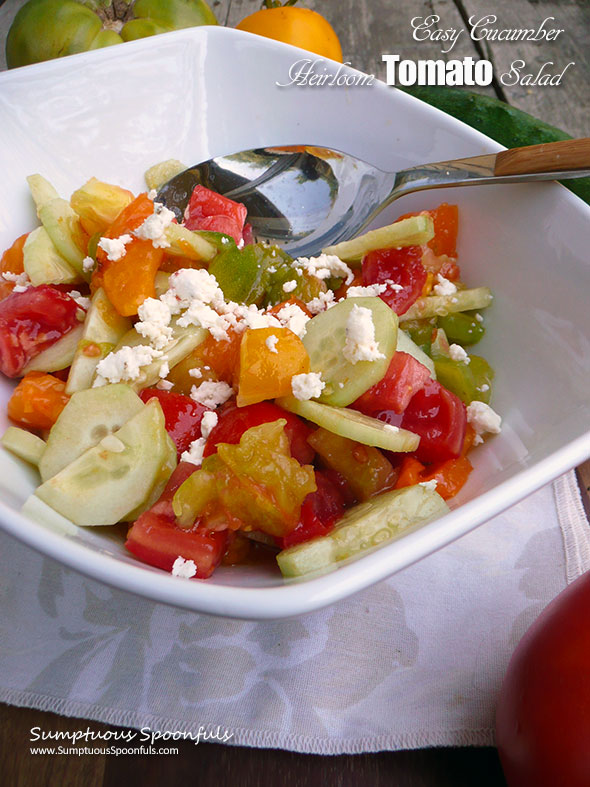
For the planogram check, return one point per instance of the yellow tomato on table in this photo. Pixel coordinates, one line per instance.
(300, 27)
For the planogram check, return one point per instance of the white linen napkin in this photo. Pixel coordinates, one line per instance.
(415, 661)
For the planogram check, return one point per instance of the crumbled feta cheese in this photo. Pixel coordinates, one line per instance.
(112, 443)
(194, 455)
(307, 386)
(372, 290)
(211, 394)
(444, 286)
(189, 284)
(184, 568)
(196, 372)
(240, 244)
(154, 322)
(115, 247)
(483, 419)
(154, 227)
(324, 301)
(21, 280)
(271, 269)
(88, 264)
(325, 266)
(294, 318)
(289, 286)
(483, 388)
(457, 353)
(83, 302)
(164, 385)
(164, 370)
(271, 343)
(432, 484)
(360, 342)
(124, 364)
(208, 423)
(152, 194)
(478, 317)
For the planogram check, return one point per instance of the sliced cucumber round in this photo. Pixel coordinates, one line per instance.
(363, 528)
(87, 418)
(325, 338)
(352, 424)
(117, 476)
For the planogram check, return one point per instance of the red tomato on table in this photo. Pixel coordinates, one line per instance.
(156, 539)
(31, 321)
(404, 377)
(182, 415)
(543, 714)
(440, 418)
(403, 267)
(234, 421)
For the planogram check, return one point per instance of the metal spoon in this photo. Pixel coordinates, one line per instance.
(306, 198)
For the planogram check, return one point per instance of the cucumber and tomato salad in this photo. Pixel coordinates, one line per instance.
(212, 392)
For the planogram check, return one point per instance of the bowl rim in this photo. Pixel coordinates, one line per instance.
(294, 597)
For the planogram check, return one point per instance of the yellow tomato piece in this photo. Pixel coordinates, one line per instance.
(296, 26)
(269, 357)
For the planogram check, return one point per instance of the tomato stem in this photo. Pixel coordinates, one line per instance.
(277, 3)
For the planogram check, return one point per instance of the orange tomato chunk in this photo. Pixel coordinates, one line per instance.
(269, 357)
(11, 262)
(37, 400)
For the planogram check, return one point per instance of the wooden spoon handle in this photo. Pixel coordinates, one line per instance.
(571, 154)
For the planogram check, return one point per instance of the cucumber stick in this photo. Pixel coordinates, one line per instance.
(161, 173)
(353, 425)
(103, 328)
(441, 305)
(23, 444)
(60, 221)
(42, 262)
(117, 476)
(413, 231)
(57, 356)
(86, 419)
(363, 528)
(325, 340)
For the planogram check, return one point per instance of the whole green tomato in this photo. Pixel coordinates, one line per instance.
(46, 29)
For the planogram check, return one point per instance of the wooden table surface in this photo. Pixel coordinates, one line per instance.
(367, 29)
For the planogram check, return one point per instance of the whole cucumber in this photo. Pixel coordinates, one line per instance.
(507, 125)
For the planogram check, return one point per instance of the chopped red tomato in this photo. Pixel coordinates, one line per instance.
(440, 418)
(404, 377)
(208, 210)
(182, 415)
(446, 225)
(320, 511)
(399, 268)
(234, 421)
(156, 539)
(248, 235)
(31, 321)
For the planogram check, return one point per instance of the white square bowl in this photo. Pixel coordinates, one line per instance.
(198, 93)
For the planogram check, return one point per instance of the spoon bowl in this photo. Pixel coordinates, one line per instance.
(305, 198)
